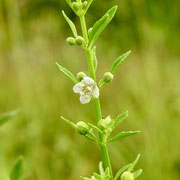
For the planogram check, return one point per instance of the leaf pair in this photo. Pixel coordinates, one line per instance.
(123, 134)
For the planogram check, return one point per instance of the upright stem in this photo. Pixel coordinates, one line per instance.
(103, 145)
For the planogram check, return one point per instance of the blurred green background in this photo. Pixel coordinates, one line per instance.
(32, 39)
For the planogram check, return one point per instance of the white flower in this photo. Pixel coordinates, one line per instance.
(87, 89)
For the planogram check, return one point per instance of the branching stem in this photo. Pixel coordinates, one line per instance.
(89, 57)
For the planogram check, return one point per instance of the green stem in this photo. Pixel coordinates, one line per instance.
(84, 28)
(103, 145)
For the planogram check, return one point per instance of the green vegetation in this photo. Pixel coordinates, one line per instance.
(32, 35)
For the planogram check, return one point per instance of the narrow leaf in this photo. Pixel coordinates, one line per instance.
(100, 25)
(121, 171)
(134, 163)
(95, 62)
(73, 125)
(95, 127)
(137, 173)
(17, 169)
(71, 24)
(123, 135)
(118, 61)
(67, 73)
(6, 116)
(120, 119)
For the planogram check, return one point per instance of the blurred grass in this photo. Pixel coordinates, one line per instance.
(32, 38)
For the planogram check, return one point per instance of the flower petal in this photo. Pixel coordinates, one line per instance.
(88, 80)
(95, 92)
(77, 88)
(84, 99)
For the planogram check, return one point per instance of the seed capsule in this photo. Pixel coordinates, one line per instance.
(108, 77)
(127, 176)
(79, 40)
(80, 76)
(82, 128)
(71, 41)
(75, 6)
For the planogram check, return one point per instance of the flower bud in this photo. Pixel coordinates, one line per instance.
(84, 4)
(105, 123)
(80, 76)
(108, 77)
(82, 128)
(75, 6)
(79, 40)
(71, 41)
(127, 176)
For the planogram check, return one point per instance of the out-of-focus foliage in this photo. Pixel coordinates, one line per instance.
(32, 39)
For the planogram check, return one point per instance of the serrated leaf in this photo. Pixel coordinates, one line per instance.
(124, 168)
(134, 163)
(95, 62)
(100, 25)
(123, 135)
(137, 173)
(120, 118)
(67, 73)
(17, 169)
(118, 61)
(73, 125)
(71, 24)
(6, 116)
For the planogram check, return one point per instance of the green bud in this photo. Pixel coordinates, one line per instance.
(79, 40)
(84, 4)
(108, 77)
(71, 41)
(104, 124)
(82, 128)
(127, 176)
(80, 76)
(75, 6)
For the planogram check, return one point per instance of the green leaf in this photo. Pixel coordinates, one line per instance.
(71, 24)
(17, 169)
(6, 116)
(134, 163)
(121, 171)
(94, 127)
(120, 119)
(67, 73)
(95, 62)
(137, 173)
(123, 135)
(73, 125)
(100, 25)
(118, 61)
